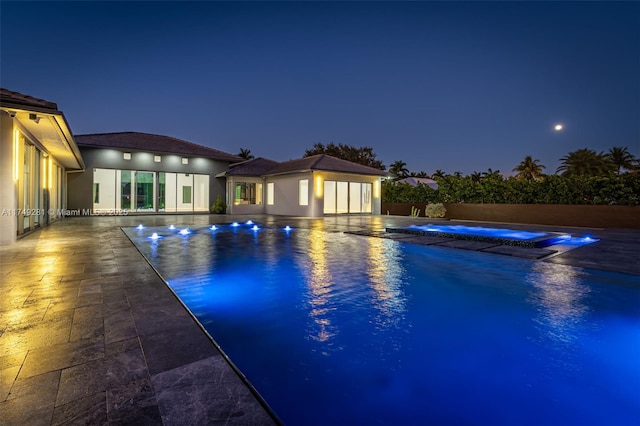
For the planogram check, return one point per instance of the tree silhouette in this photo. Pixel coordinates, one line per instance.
(399, 169)
(363, 155)
(529, 169)
(622, 159)
(439, 174)
(246, 154)
(585, 162)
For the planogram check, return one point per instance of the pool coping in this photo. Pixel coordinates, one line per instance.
(231, 364)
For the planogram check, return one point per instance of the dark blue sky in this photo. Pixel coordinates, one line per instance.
(439, 85)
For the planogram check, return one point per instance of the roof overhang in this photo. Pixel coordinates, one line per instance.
(50, 130)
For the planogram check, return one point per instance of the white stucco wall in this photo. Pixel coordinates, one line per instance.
(8, 201)
(286, 192)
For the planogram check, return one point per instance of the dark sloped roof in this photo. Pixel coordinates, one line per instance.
(324, 162)
(9, 98)
(254, 167)
(136, 141)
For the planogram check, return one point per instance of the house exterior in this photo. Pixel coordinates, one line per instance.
(37, 152)
(311, 187)
(145, 173)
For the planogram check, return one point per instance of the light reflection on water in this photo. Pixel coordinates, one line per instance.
(384, 267)
(561, 300)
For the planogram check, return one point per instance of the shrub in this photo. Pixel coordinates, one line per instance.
(219, 207)
(435, 210)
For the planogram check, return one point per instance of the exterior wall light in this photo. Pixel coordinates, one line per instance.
(185, 160)
(126, 155)
(157, 158)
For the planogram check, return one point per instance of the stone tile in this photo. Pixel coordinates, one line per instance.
(88, 323)
(86, 379)
(28, 410)
(91, 410)
(37, 335)
(7, 377)
(133, 403)
(44, 385)
(63, 355)
(524, 252)
(155, 315)
(176, 347)
(119, 325)
(207, 392)
(120, 346)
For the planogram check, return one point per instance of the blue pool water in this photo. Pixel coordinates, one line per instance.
(480, 231)
(344, 330)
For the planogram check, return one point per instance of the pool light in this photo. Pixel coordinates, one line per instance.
(249, 222)
(234, 224)
(185, 231)
(287, 228)
(172, 227)
(255, 227)
(154, 236)
(213, 227)
(139, 227)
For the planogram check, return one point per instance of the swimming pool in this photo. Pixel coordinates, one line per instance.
(340, 329)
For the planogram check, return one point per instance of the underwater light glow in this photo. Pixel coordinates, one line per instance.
(140, 227)
(172, 227)
(213, 227)
(154, 236)
(255, 227)
(185, 231)
(235, 224)
(249, 222)
(287, 228)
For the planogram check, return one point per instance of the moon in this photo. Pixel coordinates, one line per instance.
(558, 127)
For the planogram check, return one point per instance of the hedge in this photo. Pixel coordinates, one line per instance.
(554, 189)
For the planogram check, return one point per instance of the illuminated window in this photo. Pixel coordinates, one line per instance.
(303, 192)
(270, 193)
(185, 160)
(247, 193)
(126, 155)
(157, 158)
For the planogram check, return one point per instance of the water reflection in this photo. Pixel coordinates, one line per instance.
(385, 270)
(560, 298)
(320, 283)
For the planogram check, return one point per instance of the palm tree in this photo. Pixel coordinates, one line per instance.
(476, 176)
(438, 174)
(246, 154)
(529, 169)
(622, 159)
(399, 169)
(585, 162)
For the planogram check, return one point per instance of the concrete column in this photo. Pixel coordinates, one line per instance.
(8, 199)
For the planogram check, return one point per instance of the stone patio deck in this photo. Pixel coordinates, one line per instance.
(89, 334)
